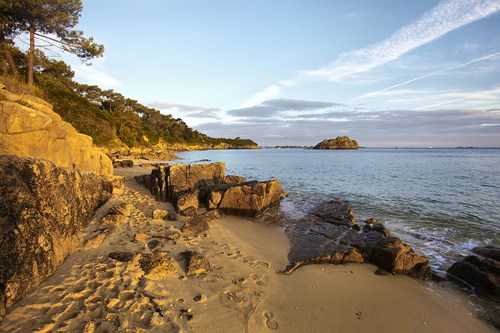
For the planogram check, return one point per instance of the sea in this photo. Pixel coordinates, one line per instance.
(443, 202)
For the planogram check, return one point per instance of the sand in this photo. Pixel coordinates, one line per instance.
(243, 291)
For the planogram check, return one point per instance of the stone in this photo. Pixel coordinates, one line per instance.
(43, 209)
(488, 251)
(371, 221)
(367, 227)
(156, 265)
(233, 179)
(214, 199)
(185, 200)
(172, 215)
(113, 219)
(122, 256)
(159, 214)
(190, 211)
(196, 263)
(213, 215)
(118, 182)
(153, 244)
(195, 225)
(340, 142)
(250, 198)
(379, 227)
(481, 274)
(337, 212)
(139, 237)
(29, 127)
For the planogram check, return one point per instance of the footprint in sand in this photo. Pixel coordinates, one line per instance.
(257, 280)
(270, 323)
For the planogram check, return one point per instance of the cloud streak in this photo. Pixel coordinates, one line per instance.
(182, 107)
(445, 17)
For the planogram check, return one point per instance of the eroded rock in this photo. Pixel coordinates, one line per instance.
(196, 263)
(156, 265)
(122, 256)
(195, 225)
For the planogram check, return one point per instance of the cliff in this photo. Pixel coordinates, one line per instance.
(42, 209)
(29, 127)
(340, 142)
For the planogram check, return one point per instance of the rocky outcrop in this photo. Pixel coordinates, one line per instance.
(189, 186)
(245, 199)
(481, 273)
(29, 127)
(42, 209)
(330, 235)
(340, 142)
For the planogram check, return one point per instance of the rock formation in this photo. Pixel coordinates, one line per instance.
(42, 209)
(29, 127)
(340, 142)
(330, 235)
(479, 272)
(189, 186)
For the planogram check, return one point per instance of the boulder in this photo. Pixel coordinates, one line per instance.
(43, 208)
(481, 274)
(185, 200)
(234, 179)
(340, 142)
(159, 214)
(195, 225)
(247, 199)
(329, 235)
(122, 256)
(29, 127)
(156, 265)
(488, 251)
(196, 263)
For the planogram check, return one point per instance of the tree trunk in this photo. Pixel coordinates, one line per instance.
(8, 56)
(31, 60)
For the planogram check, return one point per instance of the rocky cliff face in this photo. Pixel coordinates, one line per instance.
(340, 142)
(29, 127)
(42, 209)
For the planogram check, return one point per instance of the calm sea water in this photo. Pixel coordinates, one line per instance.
(443, 202)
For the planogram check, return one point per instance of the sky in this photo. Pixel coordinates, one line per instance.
(287, 72)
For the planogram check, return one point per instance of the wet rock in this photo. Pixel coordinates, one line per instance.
(367, 227)
(336, 212)
(159, 214)
(156, 265)
(481, 274)
(379, 227)
(371, 221)
(42, 210)
(196, 263)
(356, 227)
(488, 251)
(195, 225)
(122, 256)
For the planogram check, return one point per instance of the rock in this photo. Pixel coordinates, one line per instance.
(340, 142)
(139, 237)
(122, 256)
(379, 227)
(124, 209)
(248, 199)
(190, 211)
(367, 227)
(153, 244)
(482, 274)
(172, 215)
(488, 251)
(43, 208)
(196, 263)
(371, 221)
(156, 265)
(336, 212)
(118, 182)
(29, 127)
(195, 225)
(186, 200)
(214, 199)
(233, 179)
(113, 219)
(213, 215)
(159, 214)
(356, 227)
(328, 236)
(127, 163)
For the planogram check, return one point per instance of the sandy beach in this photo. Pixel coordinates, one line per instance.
(243, 291)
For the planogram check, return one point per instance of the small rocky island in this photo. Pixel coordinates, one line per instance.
(340, 142)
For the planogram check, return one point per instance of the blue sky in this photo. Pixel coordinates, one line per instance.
(387, 73)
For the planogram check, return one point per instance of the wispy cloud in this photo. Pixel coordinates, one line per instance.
(185, 108)
(279, 107)
(95, 76)
(447, 16)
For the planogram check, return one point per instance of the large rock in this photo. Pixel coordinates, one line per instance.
(329, 235)
(340, 142)
(482, 274)
(29, 127)
(245, 199)
(42, 209)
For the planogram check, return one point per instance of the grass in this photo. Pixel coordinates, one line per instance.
(18, 87)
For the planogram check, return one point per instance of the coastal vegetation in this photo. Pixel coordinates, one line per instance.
(111, 119)
(340, 142)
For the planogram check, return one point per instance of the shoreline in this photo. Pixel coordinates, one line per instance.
(243, 291)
